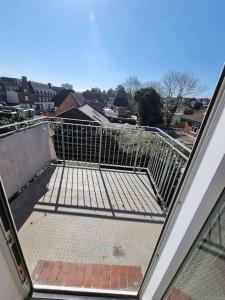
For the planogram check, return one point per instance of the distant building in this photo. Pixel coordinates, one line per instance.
(2, 93)
(122, 112)
(65, 100)
(12, 97)
(44, 94)
(196, 103)
(93, 113)
(16, 113)
(25, 95)
(96, 104)
(108, 112)
(74, 114)
(193, 122)
(27, 99)
(10, 84)
(57, 89)
(205, 101)
(71, 105)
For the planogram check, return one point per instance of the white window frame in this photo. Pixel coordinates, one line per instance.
(201, 188)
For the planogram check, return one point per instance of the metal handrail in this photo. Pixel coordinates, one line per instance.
(105, 125)
(131, 147)
(172, 139)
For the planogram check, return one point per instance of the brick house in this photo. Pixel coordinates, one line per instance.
(10, 84)
(65, 100)
(44, 94)
(2, 93)
(193, 122)
(70, 104)
(27, 99)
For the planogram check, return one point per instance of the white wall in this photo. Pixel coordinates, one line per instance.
(23, 155)
(12, 97)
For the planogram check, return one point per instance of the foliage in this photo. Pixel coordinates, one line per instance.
(174, 88)
(7, 121)
(121, 99)
(149, 106)
(111, 93)
(67, 86)
(156, 85)
(94, 93)
(131, 140)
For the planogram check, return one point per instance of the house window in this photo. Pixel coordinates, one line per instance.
(26, 98)
(194, 128)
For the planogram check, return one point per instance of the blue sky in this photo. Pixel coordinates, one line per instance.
(102, 42)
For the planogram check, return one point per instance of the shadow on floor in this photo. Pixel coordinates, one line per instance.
(22, 207)
(91, 193)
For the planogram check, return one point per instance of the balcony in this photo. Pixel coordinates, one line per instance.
(89, 201)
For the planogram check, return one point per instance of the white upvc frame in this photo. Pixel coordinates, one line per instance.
(8, 267)
(202, 185)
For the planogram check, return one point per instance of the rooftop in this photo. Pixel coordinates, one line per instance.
(39, 85)
(197, 116)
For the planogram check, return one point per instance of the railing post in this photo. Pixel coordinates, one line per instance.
(135, 162)
(100, 148)
(168, 161)
(63, 144)
(136, 156)
(16, 127)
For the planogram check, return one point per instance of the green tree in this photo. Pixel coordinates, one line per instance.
(149, 106)
(93, 94)
(121, 99)
(111, 93)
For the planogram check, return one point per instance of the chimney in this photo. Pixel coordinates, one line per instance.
(24, 82)
(49, 85)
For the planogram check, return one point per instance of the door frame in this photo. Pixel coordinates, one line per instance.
(200, 188)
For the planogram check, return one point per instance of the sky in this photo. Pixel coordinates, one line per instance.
(100, 43)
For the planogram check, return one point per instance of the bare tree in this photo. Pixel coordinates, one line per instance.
(132, 84)
(175, 87)
(156, 85)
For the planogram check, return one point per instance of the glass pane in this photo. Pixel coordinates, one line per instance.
(202, 275)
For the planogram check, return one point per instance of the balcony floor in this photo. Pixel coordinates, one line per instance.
(88, 216)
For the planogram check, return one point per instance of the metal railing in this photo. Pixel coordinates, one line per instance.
(19, 126)
(117, 146)
(165, 167)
